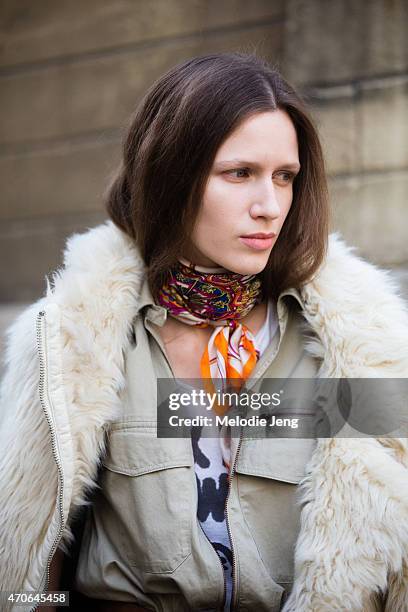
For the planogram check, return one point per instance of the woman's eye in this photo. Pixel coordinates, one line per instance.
(287, 176)
(239, 173)
(242, 170)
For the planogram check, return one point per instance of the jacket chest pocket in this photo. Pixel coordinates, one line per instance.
(148, 483)
(268, 471)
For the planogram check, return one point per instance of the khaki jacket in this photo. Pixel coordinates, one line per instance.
(142, 535)
(63, 392)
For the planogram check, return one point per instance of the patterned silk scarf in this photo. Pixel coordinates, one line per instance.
(201, 296)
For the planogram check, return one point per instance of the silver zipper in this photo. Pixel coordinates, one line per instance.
(42, 393)
(234, 577)
(229, 534)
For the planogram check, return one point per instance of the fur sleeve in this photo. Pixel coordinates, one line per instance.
(28, 473)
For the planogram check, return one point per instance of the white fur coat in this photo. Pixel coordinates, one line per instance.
(64, 373)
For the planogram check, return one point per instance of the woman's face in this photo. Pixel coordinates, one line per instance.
(249, 191)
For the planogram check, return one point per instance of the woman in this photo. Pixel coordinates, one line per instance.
(175, 285)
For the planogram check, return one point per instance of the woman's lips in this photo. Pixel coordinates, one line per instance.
(259, 244)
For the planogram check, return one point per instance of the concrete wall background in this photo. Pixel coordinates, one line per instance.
(70, 78)
(71, 74)
(351, 60)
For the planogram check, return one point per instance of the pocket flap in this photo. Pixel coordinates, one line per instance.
(282, 459)
(134, 449)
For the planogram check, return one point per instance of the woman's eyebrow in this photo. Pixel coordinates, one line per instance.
(229, 162)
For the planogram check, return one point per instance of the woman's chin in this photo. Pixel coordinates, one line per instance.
(241, 265)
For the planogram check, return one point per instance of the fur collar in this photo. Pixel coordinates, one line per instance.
(352, 304)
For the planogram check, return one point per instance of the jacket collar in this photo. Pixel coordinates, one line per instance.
(156, 313)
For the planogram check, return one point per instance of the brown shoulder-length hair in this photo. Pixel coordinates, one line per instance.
(169, 149)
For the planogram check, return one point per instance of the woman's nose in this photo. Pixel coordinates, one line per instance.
(267, 203)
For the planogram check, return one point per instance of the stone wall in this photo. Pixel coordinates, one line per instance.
(351, 60)
(72, 73)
